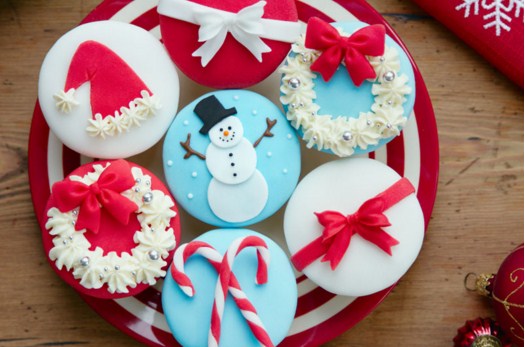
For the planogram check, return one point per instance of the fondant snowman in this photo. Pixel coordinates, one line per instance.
(237, 191)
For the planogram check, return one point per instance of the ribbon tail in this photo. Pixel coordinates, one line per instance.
(358, 67)
(208, 50)
(338, 248)
(380, 238)
(89, 215)
(252, 43)
(119, 207)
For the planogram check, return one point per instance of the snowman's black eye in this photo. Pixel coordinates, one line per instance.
(221, 129)
(229, 128)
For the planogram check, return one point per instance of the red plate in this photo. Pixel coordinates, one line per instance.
(320, 316)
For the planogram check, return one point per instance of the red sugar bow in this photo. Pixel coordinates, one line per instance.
(368, 41)
(102, 194)
(368, 222)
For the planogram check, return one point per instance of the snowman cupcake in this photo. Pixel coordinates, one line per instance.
(231, 158)
(347, 88)
(111, 229)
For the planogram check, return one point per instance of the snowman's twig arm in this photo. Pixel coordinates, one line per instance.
(190, 151)
(267, 133)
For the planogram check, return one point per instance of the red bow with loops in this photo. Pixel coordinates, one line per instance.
(368, 41)
(368, 222)
(102, 194)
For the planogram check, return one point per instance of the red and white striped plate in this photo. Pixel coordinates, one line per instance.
(320, 316)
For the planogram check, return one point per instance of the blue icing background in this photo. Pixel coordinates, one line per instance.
(340, 96)
(275, 301)
(278, 157)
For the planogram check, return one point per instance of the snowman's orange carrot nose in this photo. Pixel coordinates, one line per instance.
(226, 132)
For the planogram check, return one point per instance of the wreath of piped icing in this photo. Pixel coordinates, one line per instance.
(146, 261)
(341, 134)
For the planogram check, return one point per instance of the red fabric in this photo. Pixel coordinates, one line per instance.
(114, 84)
(368, 41)
(105, 193)
(501, 45)
(368, 222)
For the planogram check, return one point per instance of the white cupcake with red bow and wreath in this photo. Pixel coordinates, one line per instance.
(229, 43)
(111, 228)
(347, 87)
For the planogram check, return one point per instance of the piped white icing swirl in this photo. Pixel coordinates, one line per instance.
(120, 272)
(342, 134)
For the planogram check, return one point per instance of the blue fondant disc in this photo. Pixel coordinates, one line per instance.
(189, 318)
(206, 188)
(341, 97)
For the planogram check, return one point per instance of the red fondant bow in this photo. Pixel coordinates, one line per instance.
(104, 193)
(353, 50)
(368, 222)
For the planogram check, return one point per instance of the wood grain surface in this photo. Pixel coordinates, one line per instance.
(477, 220)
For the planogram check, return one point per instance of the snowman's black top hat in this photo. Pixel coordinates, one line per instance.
(211, 112)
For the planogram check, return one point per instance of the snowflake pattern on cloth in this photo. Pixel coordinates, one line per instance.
(497, 13)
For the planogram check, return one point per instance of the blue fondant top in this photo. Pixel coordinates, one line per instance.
(189, 318)
(209, 195)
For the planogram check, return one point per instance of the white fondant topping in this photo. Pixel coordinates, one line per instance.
(342, 134)
(232, 165)
(227, 133)
(241, 202)
(126, 270)
(139, 110)
(65, 101)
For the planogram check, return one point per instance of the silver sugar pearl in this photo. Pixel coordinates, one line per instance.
(389, 76)
(293, 105)
(153, 255)
(75, 212)
(101, 277)
(117, 267)
(71, 238)
(84, 261)
(106, 268)
(347, 136)
(294, 83)
(64, 242)
(388, 125)
(314, 138)
(133, 273)
(390, 102)
(148, 183)
(301, 104)
(73, 222)
(147, 198)
(138, 180)
(368, 122)
(137, 189)
(382, 59)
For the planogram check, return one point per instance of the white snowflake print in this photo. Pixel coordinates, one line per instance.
(497, 14)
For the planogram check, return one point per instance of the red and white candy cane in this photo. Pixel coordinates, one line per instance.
(223, 266)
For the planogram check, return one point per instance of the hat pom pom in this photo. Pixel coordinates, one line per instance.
(65, 101)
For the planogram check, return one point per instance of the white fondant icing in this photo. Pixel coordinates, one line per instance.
(240, 202)
(135, 134)
(342, 134)
(227, 133)
(231, 165)
(342, 186)
(126, 270)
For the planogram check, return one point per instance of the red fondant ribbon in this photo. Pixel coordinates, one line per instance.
(368, 41)
(368, 222)
(102, 194)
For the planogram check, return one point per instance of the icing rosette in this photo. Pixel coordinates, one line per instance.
(111, 228)
(347, 87)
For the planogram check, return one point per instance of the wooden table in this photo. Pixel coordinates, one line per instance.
(477, 219)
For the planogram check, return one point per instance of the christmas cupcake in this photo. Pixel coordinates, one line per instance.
(231, 159)
(106, 95)
(347, 87)
(354, 226)
(111, 229)
(230, 288)
(230, 43)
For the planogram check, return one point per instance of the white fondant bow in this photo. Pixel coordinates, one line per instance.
(247, 27)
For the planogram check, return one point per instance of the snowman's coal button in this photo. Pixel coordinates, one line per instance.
(349, 194)
(274, 301)
(103, 97)
(233, 192)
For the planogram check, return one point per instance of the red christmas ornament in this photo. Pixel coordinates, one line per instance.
(481, 332)
(506, 290)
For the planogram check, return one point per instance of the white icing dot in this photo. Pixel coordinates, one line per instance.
(254, 112)
(190, 196)
(169, 163)
(269, 154)
(194, 174)
(285, 171)
(186, 122)
(236, 97)
(289, 136)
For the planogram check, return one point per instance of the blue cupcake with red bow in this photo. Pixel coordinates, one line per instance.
(348, 88)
